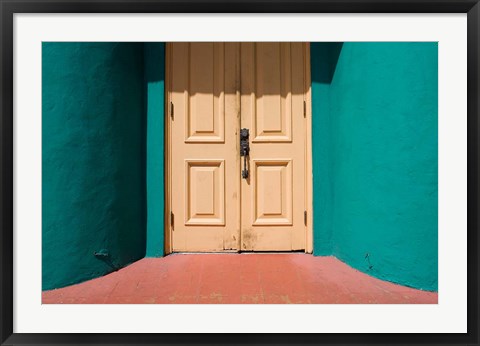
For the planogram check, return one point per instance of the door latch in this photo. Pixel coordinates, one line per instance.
(244, 150)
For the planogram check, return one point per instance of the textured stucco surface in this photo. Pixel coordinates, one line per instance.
(375, 158)
(154, 83)
(93, 161)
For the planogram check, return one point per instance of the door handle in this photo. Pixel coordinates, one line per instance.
(244, 151)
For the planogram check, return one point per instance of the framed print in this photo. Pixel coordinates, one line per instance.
(276, 171)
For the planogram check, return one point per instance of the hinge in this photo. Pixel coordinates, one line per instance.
(304, 108)
(172, 219)
(171, 110)
(305, 217)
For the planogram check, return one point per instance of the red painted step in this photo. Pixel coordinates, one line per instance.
(238, 279)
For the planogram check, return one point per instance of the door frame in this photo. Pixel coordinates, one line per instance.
(168, 246)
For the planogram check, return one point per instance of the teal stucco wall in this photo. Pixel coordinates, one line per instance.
(375, 158)
(154, 82)
(93, 159)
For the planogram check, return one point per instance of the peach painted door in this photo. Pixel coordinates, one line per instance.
(205, 180)
(272, 108)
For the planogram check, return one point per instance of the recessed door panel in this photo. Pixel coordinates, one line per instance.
(272, 93)
(205, 95)
(272, 192)
(205, 192)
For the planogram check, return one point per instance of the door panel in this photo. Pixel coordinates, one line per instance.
(272, 103)
(205, 192)
(204, 148)
(272, 190)
(271, 76)
(206, 98)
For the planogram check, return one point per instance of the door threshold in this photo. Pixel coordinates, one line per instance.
(241, 252)
(204, 252)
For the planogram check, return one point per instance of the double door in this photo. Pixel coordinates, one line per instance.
(237, 160)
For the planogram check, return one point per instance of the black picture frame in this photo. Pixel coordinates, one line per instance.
(10, 7)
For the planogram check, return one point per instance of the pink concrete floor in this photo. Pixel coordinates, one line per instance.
(238, 279)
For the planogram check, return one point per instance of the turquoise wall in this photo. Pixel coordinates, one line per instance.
(93, 171)
(376, 190)
(324, 56)
(154, 93)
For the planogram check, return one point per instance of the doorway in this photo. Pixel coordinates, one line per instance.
(238, 147)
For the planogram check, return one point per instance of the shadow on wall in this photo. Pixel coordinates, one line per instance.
(326, 59)
(154, 74)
